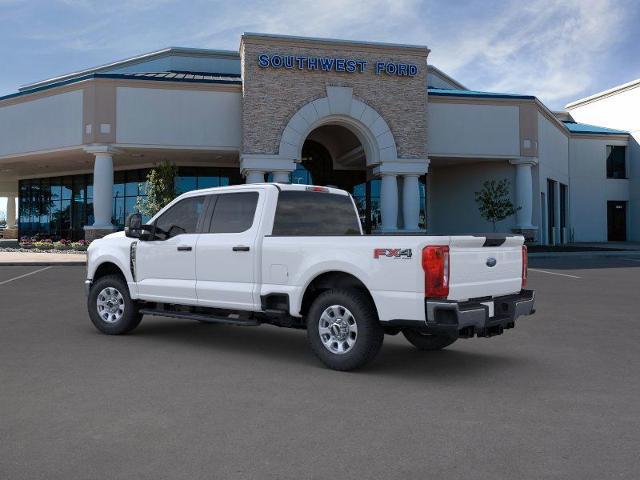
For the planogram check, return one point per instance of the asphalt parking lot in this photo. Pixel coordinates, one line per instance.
(557, 397)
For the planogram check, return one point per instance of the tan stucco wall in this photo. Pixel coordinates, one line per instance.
(272, 96)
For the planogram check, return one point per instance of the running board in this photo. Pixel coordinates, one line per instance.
(200, 317)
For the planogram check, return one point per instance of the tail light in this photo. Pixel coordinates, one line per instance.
(435, 263)
(525, 266)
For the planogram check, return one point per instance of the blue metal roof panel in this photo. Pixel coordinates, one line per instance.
(585, 128)
(444, 92)
(227, 79)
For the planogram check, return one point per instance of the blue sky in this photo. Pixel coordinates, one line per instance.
(557, 50)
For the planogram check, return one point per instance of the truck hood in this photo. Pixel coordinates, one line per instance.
(115, 235)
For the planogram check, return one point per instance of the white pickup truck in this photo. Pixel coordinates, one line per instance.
(295, 256)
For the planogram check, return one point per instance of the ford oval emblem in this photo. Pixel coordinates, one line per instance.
(491, 262)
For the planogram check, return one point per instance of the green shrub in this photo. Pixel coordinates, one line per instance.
(160, 189)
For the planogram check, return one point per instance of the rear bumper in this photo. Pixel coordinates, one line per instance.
(468, 319)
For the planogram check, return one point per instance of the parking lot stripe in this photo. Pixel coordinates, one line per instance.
(25, 275)
(554, 273)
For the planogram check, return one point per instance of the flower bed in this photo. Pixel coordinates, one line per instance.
(36, 244)
(38, 250)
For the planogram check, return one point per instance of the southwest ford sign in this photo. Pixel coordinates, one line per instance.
(334, 64)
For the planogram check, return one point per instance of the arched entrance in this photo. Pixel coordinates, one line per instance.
(333, 155)
(340, 140)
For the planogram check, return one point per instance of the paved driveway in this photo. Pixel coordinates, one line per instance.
(558, 397)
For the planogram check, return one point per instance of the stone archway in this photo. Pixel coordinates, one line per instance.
(339, 107)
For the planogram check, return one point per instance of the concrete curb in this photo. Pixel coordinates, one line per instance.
(42, 264)
(32, 259)
(617, 253)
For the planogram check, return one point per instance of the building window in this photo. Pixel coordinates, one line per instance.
(196, 178)
(564, 199)
(59, 207)
(616, 164)
(128, 186)
(551, 209)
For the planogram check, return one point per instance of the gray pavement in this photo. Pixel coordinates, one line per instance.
(557, 397)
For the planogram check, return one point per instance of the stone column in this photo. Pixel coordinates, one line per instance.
(253, 166)
(102, 192)
(524, 192)
(411, 202)
(389, 202)
(254, 176)
(281, 177)
(11, 212)
(410, 170)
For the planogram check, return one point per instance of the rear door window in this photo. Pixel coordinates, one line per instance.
(302, 213)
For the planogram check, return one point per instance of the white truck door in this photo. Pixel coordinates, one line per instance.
(227, 254)
(166, 269)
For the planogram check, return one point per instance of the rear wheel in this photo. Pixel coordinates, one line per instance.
(343, 329)
(425, 341)
(110, 307)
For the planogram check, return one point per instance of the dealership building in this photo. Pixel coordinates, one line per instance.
(410, 143)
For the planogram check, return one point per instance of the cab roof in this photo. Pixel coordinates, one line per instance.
(252, 186)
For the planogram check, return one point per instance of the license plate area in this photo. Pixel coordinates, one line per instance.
(491, 308)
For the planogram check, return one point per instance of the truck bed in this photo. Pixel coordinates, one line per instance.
(394, 276)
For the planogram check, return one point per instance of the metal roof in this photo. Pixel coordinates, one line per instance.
(435, 70)
(135, 60)
(176, 75)
(444, 92)
(605, 93)
(585, 128)
(187, 77)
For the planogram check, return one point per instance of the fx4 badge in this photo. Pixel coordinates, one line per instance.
(402, 253)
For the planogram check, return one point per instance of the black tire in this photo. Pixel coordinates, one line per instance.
(425, 341)
(363, 346)
(126, 318)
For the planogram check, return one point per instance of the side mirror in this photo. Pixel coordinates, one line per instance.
(133, 225)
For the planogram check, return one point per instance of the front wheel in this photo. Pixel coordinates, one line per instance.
(343, 329)
(425, 341)
(110, 307)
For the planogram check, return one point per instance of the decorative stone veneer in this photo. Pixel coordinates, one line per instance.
(272, 96)
(9, 234)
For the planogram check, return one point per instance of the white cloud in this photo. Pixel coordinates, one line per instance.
(354, 19)
(542, 47)
(545, 48)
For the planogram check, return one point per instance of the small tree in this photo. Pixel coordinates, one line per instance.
(160, 189)
(494, 201)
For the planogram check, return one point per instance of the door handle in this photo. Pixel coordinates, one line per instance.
(184, 248)
(240, 248)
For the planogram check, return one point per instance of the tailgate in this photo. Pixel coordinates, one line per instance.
(484, 266)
